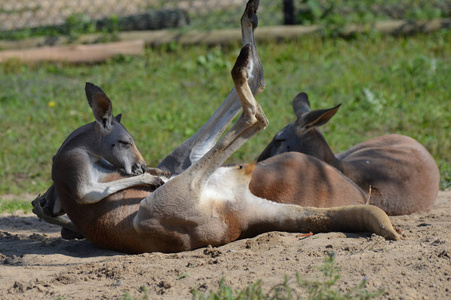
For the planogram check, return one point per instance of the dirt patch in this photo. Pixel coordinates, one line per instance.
(35, 263)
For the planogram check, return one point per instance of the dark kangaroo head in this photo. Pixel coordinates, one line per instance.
(113, 142)
(303, 135)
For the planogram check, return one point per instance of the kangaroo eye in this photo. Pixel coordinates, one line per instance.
(125, 144)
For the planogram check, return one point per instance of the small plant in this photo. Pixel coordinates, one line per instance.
(110, 29)
(323, 288)
(214, 60)
(183, 275)
(142, 289)
(76, 25)
(127, 296)
(252, 291)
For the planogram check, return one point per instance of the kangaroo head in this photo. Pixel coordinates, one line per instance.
(115, 144)
(303, 134)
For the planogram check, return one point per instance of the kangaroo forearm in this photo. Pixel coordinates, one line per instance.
(98, 191)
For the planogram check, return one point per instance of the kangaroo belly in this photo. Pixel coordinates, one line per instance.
(107, 223)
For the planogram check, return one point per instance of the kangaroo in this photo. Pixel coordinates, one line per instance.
(396, 172)
(207, 203)
(88, 162)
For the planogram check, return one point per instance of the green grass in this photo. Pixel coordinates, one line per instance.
(386, 85)
(13, 205)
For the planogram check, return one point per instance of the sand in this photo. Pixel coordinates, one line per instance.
(35, 263)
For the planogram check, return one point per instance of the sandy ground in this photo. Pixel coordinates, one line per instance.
(35, 263)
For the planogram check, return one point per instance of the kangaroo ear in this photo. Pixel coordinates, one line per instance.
(301, 105)
(118, 117)
(100, 104)
(316, 118)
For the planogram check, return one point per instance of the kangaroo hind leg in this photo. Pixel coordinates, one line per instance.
(207, 136)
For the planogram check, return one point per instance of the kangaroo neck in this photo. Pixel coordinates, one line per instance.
(332, 160)
(314, 144)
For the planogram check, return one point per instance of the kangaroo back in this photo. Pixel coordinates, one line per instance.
(399, 174)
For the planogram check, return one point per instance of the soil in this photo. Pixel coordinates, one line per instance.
(35, 263)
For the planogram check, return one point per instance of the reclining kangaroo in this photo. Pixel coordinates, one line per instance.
(207, 204)
(398, 173)
(95, 161)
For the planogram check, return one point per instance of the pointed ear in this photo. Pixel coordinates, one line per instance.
(301, 105)
(316, 118)
(118, 117)
(100, 104)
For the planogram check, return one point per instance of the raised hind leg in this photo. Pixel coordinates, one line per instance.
(207, 136)
(182, 213)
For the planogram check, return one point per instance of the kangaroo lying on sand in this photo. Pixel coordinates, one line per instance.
(203, 203)
(396, 172)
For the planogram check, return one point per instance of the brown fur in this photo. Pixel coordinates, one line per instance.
(401, 174)
(299, 179)
(108, 223)
(396, 172)
(249, 168)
